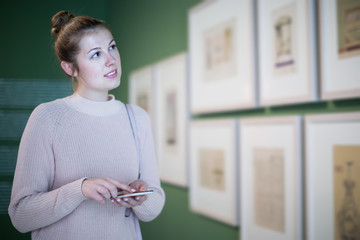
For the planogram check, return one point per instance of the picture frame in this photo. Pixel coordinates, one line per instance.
(332, 175)
(339, 48)
(213, 171)
(287, 52)
(271, 178)
(171, 76)
(222, 59)
(142, 91)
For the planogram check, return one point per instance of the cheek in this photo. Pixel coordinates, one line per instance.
(89, 69)
(118, 59)
(119, 62)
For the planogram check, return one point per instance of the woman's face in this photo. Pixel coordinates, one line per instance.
(99, 66)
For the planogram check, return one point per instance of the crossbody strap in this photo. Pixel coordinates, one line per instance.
(134, 129)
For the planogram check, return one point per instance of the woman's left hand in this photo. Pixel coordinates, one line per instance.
(129, 202)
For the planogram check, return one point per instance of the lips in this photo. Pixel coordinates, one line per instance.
(111, 74)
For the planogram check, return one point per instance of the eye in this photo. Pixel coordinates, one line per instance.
(96, 55)
(112, 47)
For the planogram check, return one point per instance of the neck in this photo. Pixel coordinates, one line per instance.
(95, 108)
(94, 96)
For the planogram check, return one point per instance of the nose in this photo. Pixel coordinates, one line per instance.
(110, 60)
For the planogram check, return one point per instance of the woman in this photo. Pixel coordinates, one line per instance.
(76, 153)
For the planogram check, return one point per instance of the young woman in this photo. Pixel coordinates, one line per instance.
(78, 152)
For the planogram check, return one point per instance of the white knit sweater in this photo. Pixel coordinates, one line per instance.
(67, 140)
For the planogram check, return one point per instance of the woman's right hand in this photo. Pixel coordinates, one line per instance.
(101, 189)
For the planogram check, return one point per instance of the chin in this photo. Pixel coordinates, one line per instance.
(115, 85)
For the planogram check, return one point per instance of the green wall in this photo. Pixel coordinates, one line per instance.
(27, 57)
(149, 31)
(26, 42)
(146, 31)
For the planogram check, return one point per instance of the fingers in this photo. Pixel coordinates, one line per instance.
(139, 185)
(101, 189)
(120, 185)
(121, 202)
(129, 202)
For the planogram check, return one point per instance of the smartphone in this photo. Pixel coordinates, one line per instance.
(127, 194)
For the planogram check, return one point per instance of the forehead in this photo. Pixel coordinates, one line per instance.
(96, 38)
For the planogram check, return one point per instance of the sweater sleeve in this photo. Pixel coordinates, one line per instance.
(154, 204)
(33, 203)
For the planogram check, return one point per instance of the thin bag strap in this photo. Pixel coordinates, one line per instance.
(134, 129)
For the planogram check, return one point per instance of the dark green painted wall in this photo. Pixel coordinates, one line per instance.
(26, 43)
(27, 55)
(149, 31)
(146, 31)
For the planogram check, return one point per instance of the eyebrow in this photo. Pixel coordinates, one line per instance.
(96, 48)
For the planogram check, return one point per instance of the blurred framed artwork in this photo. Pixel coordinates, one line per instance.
(222, 59)
(172, 116)
(213, 171)
(271, 176)
(287, 53)
(142, 90)
(333, 176)
(340, 48)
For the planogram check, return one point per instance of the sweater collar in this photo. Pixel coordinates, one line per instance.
(91, 107)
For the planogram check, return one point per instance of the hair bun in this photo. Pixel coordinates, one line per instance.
(59, 20)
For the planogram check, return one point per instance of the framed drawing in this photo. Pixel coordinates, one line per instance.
(271, 176)
(213, 169)
(340, 48)
(172, 115)
(222, 62)
(287, 54)
(141, 89)
(333, 176)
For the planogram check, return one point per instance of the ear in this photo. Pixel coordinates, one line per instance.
(68, 68)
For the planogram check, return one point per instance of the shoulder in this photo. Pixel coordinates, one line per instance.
(142, 118)
(140, 113)
(49, 111)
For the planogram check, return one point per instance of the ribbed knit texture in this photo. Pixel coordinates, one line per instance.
(67, 140)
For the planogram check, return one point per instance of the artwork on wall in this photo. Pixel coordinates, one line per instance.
(284, 39)
(219, 51)
(333, 176)
(346, 169)
(269, 188)
(212, 169)
(271, 173)
(222, 62)
(287, 55)
(172, 115)
(340, 48)
(348, 24)
(213, 190)
(142, 90)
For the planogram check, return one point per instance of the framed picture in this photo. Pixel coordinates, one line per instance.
(213, 171)
(142, 90)
(222, 62)
(333, 176)
(340, 48)
(287, 54)
(271, 176)
(172, 116)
